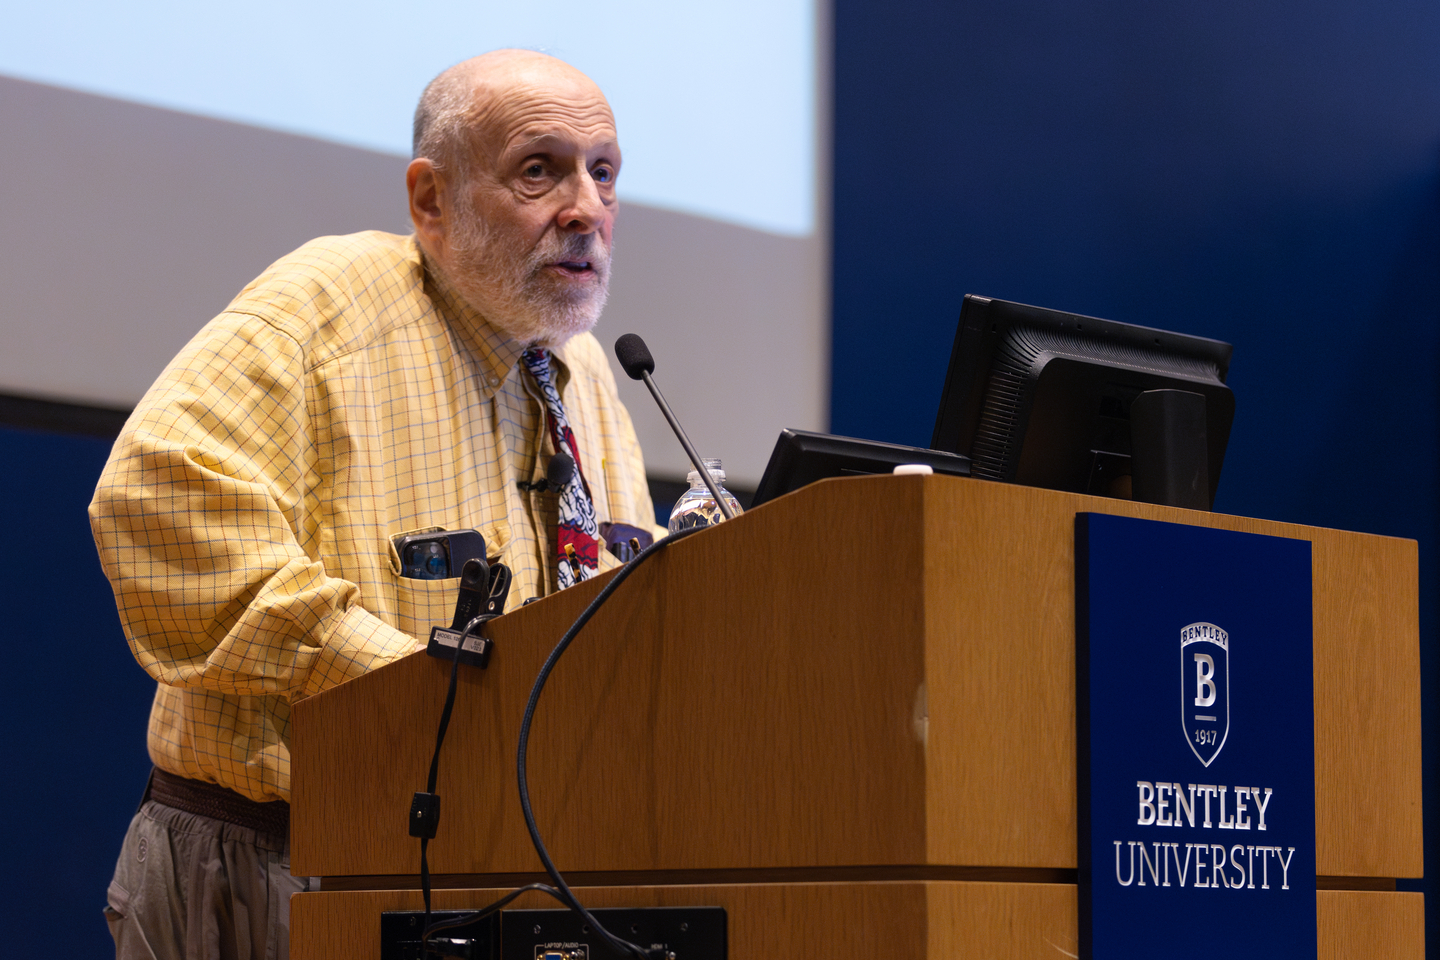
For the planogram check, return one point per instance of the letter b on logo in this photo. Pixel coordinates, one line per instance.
(1204, 680)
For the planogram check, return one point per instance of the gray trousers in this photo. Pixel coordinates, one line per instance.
(188, 887)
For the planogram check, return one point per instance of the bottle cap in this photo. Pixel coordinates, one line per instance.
(713, 465)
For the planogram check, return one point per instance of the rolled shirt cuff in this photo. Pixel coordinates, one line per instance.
(355, 642)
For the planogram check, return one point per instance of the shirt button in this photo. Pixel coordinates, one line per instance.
(491, 381)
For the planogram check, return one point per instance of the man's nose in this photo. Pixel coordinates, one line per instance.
(584, 211)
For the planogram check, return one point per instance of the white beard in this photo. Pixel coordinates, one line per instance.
(511, 287)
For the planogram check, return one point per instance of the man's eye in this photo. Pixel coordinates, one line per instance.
(535, 170)
(603, 174)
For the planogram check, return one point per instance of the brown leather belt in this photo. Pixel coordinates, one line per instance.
(214, 801)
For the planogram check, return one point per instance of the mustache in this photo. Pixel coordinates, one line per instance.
(575, 246)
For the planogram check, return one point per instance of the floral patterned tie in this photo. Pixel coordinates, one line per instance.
(577, 514)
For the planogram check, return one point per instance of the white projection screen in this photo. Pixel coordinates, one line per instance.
(159, 154)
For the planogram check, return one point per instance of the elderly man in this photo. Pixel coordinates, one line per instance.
(362, 388)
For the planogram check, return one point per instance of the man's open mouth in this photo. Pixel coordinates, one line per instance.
(575, 267)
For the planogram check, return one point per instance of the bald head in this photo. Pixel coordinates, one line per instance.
(512, 191)
(469, 100)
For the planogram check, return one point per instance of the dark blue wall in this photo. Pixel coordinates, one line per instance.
(73, 703)
(1266, 174)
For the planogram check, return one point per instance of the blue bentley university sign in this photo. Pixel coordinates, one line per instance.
(1197, 838)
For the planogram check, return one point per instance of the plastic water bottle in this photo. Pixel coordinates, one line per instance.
(697, 508)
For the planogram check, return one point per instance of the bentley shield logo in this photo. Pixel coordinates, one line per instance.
(1205, 688)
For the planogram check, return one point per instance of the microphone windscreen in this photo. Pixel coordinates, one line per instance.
(634, 356)
(559, 471)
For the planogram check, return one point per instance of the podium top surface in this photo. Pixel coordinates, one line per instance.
(868, 671)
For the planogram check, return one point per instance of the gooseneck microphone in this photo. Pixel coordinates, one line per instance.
(637, 363)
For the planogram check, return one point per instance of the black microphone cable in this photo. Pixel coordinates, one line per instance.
(429, 809)
(560, 891)
(465, 920)
(566, 896)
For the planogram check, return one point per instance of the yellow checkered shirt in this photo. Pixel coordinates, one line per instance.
(246, 515)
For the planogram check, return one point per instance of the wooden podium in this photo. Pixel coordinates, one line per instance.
(848, 717)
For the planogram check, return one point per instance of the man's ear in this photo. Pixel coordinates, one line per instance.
(425, 185)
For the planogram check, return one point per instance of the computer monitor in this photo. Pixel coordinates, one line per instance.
(1043, 397)
(801, 457)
